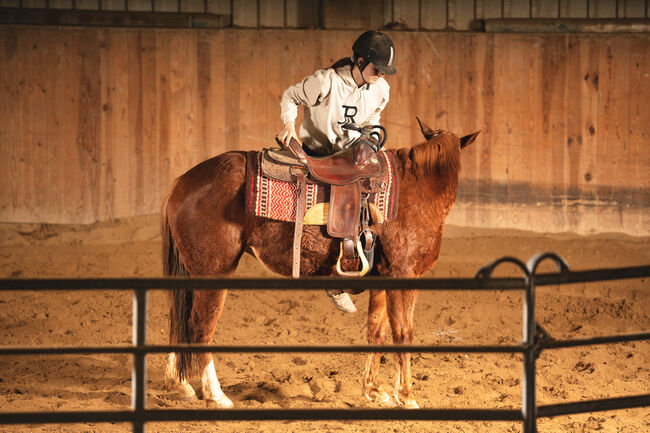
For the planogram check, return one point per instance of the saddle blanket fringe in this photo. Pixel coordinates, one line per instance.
(271, 198)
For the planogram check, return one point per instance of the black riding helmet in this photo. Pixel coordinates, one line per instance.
(376, 48)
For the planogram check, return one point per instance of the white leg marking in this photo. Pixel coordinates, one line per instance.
(211, 388)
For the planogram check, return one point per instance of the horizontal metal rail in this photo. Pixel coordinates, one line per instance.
(259, 349)
(452, 414)
(630, 402)
(318, 283)
(197, 348)
(559, 344)
(590, 276)
(314, 283)
(150, 415)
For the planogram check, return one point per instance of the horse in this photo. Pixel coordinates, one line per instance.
(206, 229)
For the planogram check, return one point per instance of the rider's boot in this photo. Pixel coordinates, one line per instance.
(342, 301)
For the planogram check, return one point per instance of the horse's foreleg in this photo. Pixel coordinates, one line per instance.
(400, 305)
(206, 311)
(377, 332)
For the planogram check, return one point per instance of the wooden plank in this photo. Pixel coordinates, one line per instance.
(245, 13)
(215, 130)
(89, 125)
(9, 3)
(488, 9)
(91, 4)
(461, 14)
(554, 109)
(433, 15)
(504, 88)
(8, 112)
(613, 101)
(232, 93)
(116, 187)
(602, 9)
(490, 139)
(138, 5)
(164, 175)
(148, 197)
(67, 4)
(25, 174)
(71, 160)
(303, 13)
(221, 7)
(632, 9)
(93, 18)
(165, 6)
(188, 6)
(341, 14)
(34, 4)
(545, 8)
(542, 25)
(271, 13)
(639, 122)
(406, 13)
(473, 118)
(516, 9)
(573, 8)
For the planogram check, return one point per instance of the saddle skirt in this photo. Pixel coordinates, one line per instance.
(271, 190)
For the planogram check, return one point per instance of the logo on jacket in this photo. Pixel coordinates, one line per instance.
(348, 114)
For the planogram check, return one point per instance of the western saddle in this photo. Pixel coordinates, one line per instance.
(349, 173)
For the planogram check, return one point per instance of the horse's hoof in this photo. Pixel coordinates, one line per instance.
(382, 398)
(184, 394)
(182, 391)
(411, 404)
(221, 402)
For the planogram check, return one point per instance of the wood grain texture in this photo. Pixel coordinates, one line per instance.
(96, 123)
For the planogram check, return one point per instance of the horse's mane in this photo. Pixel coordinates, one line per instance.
(440, 154)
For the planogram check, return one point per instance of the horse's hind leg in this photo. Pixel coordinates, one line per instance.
(208, 305)
(377, 332)
(401, 304)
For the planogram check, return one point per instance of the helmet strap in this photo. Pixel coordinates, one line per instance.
(364, 63)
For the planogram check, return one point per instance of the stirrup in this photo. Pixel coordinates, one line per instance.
(365, 266)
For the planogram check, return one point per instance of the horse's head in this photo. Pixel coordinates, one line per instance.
(440, 154)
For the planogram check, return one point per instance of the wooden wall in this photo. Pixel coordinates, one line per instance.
(96, 123)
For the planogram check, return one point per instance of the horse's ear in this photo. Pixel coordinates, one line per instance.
(468, 139)
(426, 131)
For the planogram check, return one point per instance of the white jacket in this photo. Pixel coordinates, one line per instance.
(332, 98)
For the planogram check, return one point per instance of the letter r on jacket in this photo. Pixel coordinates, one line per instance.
(350, 112)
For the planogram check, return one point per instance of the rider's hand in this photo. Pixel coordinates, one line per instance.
(288, 133)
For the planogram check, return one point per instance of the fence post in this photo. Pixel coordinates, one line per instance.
(139, 372)
(528, 404)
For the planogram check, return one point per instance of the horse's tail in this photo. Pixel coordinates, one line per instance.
(180, 299)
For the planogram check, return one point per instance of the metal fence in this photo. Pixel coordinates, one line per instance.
(534, 341)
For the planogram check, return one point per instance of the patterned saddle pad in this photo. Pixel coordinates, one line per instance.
(276, 199)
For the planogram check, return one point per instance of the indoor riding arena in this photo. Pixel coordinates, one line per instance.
(104, 103)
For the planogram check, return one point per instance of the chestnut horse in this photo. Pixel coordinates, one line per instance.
(206, 229)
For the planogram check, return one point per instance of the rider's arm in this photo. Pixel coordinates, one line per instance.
(374, 118)
(310, 91)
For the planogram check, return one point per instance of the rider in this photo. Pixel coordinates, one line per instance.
(352, 90)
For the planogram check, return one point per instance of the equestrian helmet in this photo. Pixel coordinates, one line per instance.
(376, 48)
